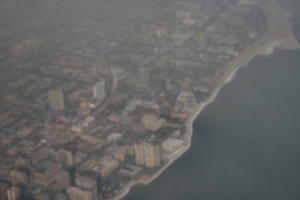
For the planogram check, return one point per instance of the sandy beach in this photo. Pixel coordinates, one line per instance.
(279, 36)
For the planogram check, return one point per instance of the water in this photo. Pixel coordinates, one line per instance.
(246, 143)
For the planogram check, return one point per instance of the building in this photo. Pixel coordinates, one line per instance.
(187, 98)
(90, 122)
(145, 107)
(3, 190)
(19, 177)
(171, 145)
(13, 193)
(152, 122)
(46, 172)
(22, 162)
(139, 128)
(161, 31)
(64, 156)
(60, 196)
(79, 156)
(56, 100)
(62, 180)
(148, 153)
(185, 86)
(114, 137)
(76, 193)
(120, 154)
(99, 91)
(139, 154)
(183, 15)
(42, 196)
(90, 182)
(106, 165)
(152, 154)
(86, 126)
(130, 171)
(144, 72)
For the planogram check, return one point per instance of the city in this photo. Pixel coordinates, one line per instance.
(94, 100)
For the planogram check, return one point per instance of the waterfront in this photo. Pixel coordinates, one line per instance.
(245, 144)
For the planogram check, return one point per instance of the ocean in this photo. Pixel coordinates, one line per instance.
(246, 143)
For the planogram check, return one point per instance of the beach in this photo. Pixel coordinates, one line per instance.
(279, 35)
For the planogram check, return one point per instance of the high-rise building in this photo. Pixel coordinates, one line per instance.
(99, 91)
(76, 193)
(62, 180)
(148, 153)
(161, 31)
(3, 190)
(64, 156)
(89, 181)
(13, 193)
(139, 154)
(152, 154)
(56, 100)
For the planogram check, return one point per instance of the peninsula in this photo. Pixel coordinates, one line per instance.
(99, 96)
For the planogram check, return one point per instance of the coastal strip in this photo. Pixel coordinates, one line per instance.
(279, 36)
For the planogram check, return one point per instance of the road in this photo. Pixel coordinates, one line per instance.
(111, 95)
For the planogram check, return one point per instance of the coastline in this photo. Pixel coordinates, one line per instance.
(279, 36)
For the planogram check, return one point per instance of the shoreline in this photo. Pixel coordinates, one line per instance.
(277, 37)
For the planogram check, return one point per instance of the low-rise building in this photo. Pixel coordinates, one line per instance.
(46, 172)
(130, 171)
(171, 145)
(76, 193)
(106, 166)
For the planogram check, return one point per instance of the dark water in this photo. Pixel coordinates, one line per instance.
(246, 144)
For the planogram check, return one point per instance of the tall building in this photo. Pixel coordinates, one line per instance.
(56, 100)
(76, 193)
(64, 156)
(13, 193)
(161, 31)
(62, 180)
(3, 190)
(139, 154)
(99, 91)
(152, 154)
(89, 181)
(148, 153)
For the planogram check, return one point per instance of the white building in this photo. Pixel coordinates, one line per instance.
(187, 98)
(171, 145)
(56, 100)
(99, 91)
(152, 122)
(106, 165)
